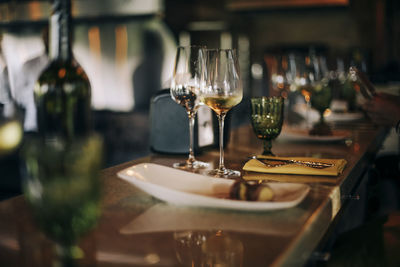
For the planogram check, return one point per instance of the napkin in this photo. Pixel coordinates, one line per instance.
(291, 168)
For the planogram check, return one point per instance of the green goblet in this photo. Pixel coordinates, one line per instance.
(267, 119)
(321, 98)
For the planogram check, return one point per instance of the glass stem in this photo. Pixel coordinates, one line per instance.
(308, 109)
(192, 116)
(321, 118)
(267, 148)
(221, 119)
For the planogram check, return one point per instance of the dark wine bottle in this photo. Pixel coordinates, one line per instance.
(62, 92)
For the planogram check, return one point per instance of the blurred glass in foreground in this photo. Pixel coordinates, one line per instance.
(314, 86)
(62, 187)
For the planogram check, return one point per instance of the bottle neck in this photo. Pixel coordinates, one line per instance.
(60, 30)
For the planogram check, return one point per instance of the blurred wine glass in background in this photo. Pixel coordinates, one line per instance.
(343, 93)
(282, 72)
(283, 77)
(314, 86)
(277, 67)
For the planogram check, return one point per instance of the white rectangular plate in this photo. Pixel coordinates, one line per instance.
(190, 189)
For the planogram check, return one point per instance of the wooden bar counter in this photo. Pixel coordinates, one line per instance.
(135, 229)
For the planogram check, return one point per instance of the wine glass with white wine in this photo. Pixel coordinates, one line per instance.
(221, 90)
(185, 88)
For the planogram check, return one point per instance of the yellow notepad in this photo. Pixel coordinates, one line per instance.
(292, 168)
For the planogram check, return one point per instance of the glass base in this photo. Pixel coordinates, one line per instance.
(224, 173)
(68, 255)
(268, 153)
(191, 165)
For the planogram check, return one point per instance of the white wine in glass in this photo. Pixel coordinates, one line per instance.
(185, 87)
(221, 90)
(222, 104)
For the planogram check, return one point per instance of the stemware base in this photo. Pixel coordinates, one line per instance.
(267, 148)
(191, 165)
(72, 252)
(224, 173)
(268, 153)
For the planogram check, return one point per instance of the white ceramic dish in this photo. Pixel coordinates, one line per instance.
(189, 189)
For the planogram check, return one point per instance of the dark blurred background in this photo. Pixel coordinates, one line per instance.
(127, 48)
